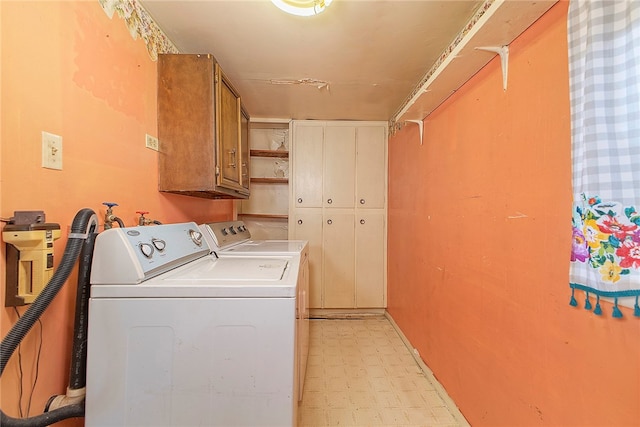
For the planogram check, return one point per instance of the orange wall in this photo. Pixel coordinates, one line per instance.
(70, 70)
(484, 297)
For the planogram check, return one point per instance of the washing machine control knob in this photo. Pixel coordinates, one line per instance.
(232, 230)
(196, 236)
(159, 244)
(146, 249)
(224, 231)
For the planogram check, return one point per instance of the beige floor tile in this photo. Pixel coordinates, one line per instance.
(361, 374)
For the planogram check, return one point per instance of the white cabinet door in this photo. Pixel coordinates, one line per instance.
(370, 258)
(307, 165)
(307, 225)
(371, 167)
(339, 259)
(339, 166)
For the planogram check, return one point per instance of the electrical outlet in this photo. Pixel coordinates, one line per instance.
(151, 142)
(51, 151)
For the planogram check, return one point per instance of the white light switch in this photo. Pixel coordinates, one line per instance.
(51, 151)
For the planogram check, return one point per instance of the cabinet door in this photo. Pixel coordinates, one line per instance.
(244, 149)
(339, 251)
(307, 225)
(307, 166)
(339, 166)
(370, 259)
(371, 167)
(228, 133)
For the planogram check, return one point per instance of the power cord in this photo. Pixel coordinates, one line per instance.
(21, 373)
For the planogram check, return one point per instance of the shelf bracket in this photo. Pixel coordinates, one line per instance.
(420, 124)
(503, 51)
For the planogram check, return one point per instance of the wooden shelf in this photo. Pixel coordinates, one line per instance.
(270, 153)
(270, 180)
(255, 215)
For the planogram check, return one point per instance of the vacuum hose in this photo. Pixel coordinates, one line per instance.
(84, 220)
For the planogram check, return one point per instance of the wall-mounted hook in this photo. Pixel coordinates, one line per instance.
(503, 51)
(420, 124)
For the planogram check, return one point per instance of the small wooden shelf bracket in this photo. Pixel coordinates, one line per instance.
(503, 51)
(420, 124)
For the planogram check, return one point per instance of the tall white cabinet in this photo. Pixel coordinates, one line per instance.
(338, 186)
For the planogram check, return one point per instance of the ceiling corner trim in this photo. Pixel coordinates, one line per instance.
(140, 24)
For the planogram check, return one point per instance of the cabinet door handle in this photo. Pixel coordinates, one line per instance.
(299, 199)
(362, 201)
(329, 201)
(299, 221)
(329, 222)
(232, 158)
(362, 221)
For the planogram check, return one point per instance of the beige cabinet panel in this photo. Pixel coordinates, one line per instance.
(371, 167)
(339, 166)
(306, 224)
(339, 252)
(307, 164)
(335, 165)
(370, 258)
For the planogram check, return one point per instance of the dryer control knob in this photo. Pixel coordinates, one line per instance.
(196, 236)
(159, 244)
(146, 249)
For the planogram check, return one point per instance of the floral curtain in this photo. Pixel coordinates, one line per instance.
(604, 69)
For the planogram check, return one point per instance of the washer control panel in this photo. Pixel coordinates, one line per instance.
(133, 254)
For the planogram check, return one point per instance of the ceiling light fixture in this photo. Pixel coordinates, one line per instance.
(302, 7)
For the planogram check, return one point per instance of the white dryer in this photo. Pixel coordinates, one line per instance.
(233, 238)
(179, 337)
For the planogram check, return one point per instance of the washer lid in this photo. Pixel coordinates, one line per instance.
(273, 247)
(209, 277)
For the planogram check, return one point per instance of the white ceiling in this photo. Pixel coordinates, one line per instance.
(370, 53)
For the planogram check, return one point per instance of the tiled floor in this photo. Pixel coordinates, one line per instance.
(360, 373)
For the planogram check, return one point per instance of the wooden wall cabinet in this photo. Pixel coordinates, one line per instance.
(338, 204)
(202, 130)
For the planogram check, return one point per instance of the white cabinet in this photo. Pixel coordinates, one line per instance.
(338, 244)
(338, 203)
(307, 164)
(306, 224)
(339, 169)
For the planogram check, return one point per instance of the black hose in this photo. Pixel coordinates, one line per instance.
(119, 221)
(24, 324)
(46, 419)
(78, 371)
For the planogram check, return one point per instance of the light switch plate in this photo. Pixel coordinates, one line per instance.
(151, 142)
(51, 151)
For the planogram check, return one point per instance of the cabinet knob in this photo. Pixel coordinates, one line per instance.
(329, 201)
(362, 221)
(362, 201)
(299, 221)
(299, 199)
(329, 222)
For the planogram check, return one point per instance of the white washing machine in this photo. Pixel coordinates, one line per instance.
(233, 238)
(179, 337)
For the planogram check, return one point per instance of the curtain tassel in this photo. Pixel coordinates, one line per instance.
(573, 302)
(587, 303)
(598, 310)
(616, 311)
